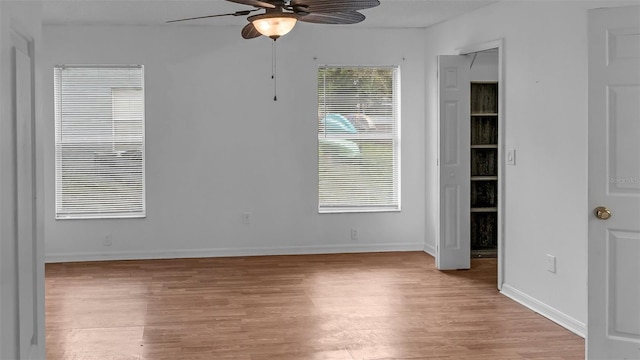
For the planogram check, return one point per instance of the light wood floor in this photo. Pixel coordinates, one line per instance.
(346, 306)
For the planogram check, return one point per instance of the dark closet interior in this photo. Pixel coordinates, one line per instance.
(484, 169)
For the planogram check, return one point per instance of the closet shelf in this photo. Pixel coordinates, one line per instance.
(484, 209)
(485, 146)
(484, 165)
(480, 178)
(484, 114)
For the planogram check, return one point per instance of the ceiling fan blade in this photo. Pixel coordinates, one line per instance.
(346, 17)
(250, 31)
(237, 13)
(331, 6)
(256, 3)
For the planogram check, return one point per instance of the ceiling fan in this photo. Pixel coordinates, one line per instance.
(280, 16)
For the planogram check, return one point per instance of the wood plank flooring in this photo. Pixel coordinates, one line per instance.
(343, 306)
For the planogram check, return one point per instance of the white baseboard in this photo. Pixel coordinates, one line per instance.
(228, 252)
(560, 318)
(430, 249)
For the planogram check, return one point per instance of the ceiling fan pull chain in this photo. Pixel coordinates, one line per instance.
(274, 69)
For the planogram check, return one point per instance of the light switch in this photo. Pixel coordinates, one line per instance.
(551, 263)
(511, 156)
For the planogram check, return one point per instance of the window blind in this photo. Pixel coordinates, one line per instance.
(99, 141)
(358, 139)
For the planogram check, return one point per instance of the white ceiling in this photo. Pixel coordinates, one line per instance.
(390, 13)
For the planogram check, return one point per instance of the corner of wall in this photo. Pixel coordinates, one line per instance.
(430, 249)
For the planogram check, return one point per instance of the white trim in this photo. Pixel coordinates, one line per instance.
(497, 44)
(228, 252)
(560, 318)
(430, 249)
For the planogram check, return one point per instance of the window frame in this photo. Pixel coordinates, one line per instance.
(394, 137)
(60, 213)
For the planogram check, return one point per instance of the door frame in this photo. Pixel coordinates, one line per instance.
(474, 48)
(20, 24)
(23, 43)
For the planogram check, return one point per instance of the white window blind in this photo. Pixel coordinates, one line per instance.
(358, 139)
(99, 140)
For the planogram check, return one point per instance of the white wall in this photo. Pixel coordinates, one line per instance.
(545, 111)
(218, 145)
(485, 66)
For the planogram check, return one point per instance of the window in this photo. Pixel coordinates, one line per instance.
(358, 139)
(99, 140)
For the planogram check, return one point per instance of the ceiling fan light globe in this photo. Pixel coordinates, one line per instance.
(274, 26)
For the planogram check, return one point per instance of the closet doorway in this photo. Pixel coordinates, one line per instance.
(484, 199)
(471, 157)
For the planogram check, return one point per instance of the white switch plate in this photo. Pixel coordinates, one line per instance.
(511, 156)
(551, 263)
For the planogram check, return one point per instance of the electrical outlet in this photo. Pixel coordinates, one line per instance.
(246, 218)
(551, 263)
(354, 234)
(107, 241)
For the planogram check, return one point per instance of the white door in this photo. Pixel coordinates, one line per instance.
(453, 248)
(614, 183)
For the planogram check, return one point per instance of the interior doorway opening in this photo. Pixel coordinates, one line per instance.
(453, 247)
(487, 67)
(483, 147)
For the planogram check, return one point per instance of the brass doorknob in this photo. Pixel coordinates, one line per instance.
(602, 213)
